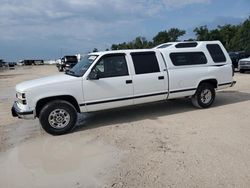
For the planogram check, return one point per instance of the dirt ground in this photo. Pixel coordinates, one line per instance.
(169, 144)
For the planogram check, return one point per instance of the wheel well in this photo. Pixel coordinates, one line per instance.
(40, 104)
(214, 82)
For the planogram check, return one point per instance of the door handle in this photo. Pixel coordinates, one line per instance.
(161, 78)
(129, 81)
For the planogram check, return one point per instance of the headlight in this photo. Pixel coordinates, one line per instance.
(20, 95)
(21, 98)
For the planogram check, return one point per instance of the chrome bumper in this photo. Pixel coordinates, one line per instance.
(244, 67)
(17, 112)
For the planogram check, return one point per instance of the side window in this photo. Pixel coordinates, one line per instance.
(188, 58)
(145, 62)
(112, 66)
(216, 53)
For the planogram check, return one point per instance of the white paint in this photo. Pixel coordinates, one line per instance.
(106, 89)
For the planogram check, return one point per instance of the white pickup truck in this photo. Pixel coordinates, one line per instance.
(111, 79)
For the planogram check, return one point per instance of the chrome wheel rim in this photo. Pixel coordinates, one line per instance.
(206, 96)
(59, 118)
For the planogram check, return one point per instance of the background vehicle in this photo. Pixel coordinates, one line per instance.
(32, 62)
(236, 56)
(67, 62)
(1, 63)
(244, 65)
(38, 62)
(10, 64)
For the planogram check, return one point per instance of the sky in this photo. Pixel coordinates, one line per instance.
(47, 29)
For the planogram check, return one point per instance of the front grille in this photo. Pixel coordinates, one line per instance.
(244, 62)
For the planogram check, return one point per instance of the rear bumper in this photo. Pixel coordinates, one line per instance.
(17, 112)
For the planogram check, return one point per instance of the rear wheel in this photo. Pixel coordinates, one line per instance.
(242, 71)
(204, 96)
(58, 117)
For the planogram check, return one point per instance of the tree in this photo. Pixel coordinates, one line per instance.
(161, 37)
(114, 47)
(139, 43)
(227, 33)
(95, 50)
(242, 37)
(214, 35)
(233, 37)
(175, 33)
(202, 33)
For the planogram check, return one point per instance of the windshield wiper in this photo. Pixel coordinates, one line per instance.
(70, 72)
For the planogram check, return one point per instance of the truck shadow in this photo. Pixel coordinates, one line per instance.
(152, 111)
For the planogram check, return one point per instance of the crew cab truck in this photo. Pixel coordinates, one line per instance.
(112, 79)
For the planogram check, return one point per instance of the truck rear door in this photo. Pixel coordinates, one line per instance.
(150, 79)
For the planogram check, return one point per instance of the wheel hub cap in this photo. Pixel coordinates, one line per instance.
(206, 96)
(59, 118)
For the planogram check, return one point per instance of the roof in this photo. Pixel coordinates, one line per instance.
(245, 59)
(186, 44)
(121, 51)
(169, 45)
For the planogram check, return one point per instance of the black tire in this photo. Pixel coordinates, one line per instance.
(54, 106)
(242, 71)
(60, 69)
(198, 100)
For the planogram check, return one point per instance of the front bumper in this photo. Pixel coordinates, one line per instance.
(244, 65)
(17, 112)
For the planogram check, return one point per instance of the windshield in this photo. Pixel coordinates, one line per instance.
(82, 66)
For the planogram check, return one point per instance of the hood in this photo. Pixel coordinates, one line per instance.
(56, 79)
(245, 59)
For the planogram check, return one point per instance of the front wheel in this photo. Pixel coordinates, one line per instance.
(204, 96)
(58, 117)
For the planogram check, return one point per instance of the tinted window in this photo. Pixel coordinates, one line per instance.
(145, 62)
(70, 59)
(216, 53)
(188, 58)
(111, 66)
(186, 45)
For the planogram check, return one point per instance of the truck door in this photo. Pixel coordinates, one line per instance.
(150, 79)
(113, 86)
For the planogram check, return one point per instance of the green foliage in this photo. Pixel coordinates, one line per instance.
(241, 39)
(233, 37)
(171, 35)
(95, 50)
(175, 33)
(161, 37)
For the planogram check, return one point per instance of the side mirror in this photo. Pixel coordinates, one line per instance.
(93, 76)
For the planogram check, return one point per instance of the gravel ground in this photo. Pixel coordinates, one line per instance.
(169, 144)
